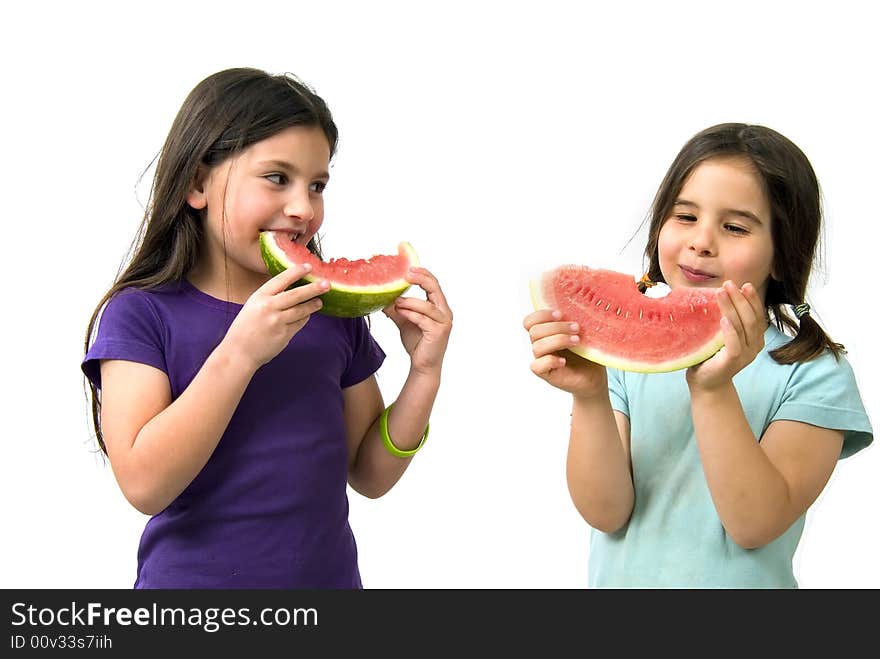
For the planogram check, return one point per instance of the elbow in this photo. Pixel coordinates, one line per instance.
(607, 513)
(371, 483)
(148, 508)
(144, 502)
(751, 537)
(746, 542)
(144, 493)
(367, 490)
(606, 519)
(143, 496)
(607, 525)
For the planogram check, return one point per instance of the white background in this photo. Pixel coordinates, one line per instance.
(500, 139)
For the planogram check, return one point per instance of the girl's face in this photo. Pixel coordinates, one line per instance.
(276, 184)
(719, 228)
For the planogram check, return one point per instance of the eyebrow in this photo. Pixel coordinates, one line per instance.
(739, 212)
(283, 164)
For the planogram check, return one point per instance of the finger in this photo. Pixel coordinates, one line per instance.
(540, 330)
(391, 312)
(554, 343)
(734, 323)
(296, 325)
(424, 279)
(543, 366)
(423, 307)
(733, 344)
(421, 321)
(540, 316)
(401, 316)
(728, 312)
(285, 279)
(287, 299)
(757, 321)
(754, 299)
(296, 313)
(752, 330)
(743, 307)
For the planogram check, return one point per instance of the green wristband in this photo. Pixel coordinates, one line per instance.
(386, 438)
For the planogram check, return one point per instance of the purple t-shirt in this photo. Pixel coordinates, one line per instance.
(270, 508)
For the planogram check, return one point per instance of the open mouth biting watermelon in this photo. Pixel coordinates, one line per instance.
(622, 328)
(357, 288)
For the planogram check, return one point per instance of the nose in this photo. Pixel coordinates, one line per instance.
(702, 239)
(298, 204)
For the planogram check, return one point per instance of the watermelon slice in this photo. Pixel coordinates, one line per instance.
(357, 288)
(622, 328)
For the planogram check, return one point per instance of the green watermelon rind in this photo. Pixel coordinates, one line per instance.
(341, 300)
(593, 354)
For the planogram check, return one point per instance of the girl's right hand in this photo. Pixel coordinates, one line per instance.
(565, 370)
(272, 315)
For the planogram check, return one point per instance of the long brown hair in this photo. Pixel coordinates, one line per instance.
(223, 115)
(793, 191)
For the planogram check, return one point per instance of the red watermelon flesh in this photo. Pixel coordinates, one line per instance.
(377, 270)
(357, 287)
(622, 328)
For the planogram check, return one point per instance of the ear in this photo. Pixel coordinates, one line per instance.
(196, 196)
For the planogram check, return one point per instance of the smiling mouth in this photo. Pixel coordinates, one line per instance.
(692, 274)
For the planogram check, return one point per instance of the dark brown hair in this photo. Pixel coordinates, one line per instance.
(793, 191)
(223, 115)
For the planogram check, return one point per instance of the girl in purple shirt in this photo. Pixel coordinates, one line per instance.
(230, 411)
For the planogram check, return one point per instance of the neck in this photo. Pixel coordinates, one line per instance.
(225, 281)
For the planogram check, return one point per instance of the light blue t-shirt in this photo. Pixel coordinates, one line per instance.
(674, 538)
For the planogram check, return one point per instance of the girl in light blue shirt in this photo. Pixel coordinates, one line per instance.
(703, 477)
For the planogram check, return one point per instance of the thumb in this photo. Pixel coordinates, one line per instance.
(393, 314)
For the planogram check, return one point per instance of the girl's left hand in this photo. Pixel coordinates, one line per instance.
(424, 324)
(743, 323)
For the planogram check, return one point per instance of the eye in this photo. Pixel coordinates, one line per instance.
(684, 217)
(318, 186)
(276, 178)
(735, 228)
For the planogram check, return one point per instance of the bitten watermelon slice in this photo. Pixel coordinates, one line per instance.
(622, 328)
(357, 288)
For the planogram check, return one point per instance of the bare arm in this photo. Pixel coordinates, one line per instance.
(424, 327)
(598, 468)
(760, 489)
(373, 471)
(157, 447)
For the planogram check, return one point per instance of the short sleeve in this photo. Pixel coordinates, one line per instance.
(617, 391)
(366, 356)
(823, 392)
(129, 328)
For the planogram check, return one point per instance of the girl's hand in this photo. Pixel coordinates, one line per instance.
(565, 370)
(743, 322)
(272, 315)
(424, 324)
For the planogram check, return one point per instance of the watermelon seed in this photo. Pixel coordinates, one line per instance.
(599, 303)
(618, 311)
(608, 306)
(692, 308)
(640, 314)
(671, 318)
